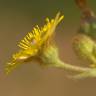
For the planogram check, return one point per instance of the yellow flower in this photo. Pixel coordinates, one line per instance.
(34, 43)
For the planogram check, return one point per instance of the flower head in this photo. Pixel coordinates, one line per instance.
(34, 43)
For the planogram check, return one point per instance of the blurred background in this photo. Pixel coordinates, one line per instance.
(17, 17)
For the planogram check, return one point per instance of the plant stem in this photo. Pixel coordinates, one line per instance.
(60, 64)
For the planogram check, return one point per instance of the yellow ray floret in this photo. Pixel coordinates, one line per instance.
(33, 42)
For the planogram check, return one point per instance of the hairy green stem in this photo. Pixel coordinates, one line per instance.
(61, 64)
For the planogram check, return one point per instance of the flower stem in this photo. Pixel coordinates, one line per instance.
(60, 64)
